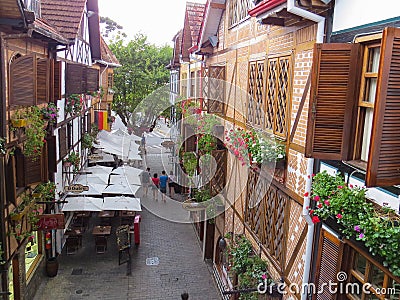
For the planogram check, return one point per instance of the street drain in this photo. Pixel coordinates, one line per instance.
(76, 272)
(79, 292)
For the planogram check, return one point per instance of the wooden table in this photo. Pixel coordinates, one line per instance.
(101, 230)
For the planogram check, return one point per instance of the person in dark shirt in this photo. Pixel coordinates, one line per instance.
(185, 296)
(146, 180)
(163, 185)
(156, 185)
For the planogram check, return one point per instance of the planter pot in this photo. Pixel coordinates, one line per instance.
(67, 164)
(52, 266)
(36, 195)
(18, 123)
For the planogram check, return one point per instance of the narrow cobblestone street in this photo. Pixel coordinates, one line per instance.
(87, 275)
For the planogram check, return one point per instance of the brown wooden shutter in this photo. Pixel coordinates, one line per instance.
(190, 138)
(62, 141)
(216, 89)
(10, 181)
(92, 79)
(29, 171)
(328, 264)
(52, 154)
(334, 84)
(89, 122)
(57, 80)
(22, 81)
(74, 75)
(42, 80)
(383, 167)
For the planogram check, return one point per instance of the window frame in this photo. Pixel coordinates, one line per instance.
(238, 14)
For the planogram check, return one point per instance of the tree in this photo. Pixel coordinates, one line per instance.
(140, 87)
(109, 26)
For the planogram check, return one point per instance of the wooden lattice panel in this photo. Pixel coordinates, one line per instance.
(271, 93)
(218, 181)
(282, 96)
(251, 91)
(259, 89)
(214, 89)
(205, 88)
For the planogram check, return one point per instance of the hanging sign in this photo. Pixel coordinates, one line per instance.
(51, 221)
(123, 238)
(76, 188)
(95, 157)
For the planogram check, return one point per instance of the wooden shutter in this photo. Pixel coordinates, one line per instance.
(22, 81)
(328, 264)
(57, 67)
(29, 171)
(92, 79)
(190, 138)
(74, 79)
(383, 167)
(62, 141)
(89, 122)
(334, 84)
(52, 154)
(10, 181)
(42, 80)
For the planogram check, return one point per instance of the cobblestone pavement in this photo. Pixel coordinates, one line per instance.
(87, 275)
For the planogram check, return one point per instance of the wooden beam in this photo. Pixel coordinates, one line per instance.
(217, 5)
(274, 21)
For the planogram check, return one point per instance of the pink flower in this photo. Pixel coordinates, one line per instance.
(306, 194)
(357, 228)
(340, 187)
(327, 203)
(361, 236)
(339, 216)
(263, 276)
(315, 219)
(319, 205)
(316, 198)
(236, 152)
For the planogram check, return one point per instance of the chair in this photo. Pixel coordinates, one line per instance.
(101, 244)
(72, 244)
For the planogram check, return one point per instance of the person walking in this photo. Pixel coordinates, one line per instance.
(156, 185)
(171, 184)
(184, 296)
(146, 180)
(163, 185)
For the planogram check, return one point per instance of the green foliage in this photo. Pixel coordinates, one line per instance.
(50, 113)
(202, 195)
(74, 159)
(207, 143)
(378, 228)
(2, 145)
(190, 163)
(87, 141)
(47, 190)
(142, 72)
(35, 131)
(74, 104)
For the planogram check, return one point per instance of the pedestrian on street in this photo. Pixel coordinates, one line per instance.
(163, 185)
(185, 296)
(171, 184)
(146, 180)
(156, 185)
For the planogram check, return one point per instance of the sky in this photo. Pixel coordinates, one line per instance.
(160, 20)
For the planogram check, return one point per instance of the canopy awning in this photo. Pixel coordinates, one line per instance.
(122, 203)
(118, 189)
(83, 204)
(94, 190)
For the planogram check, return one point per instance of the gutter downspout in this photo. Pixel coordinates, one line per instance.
(291, 8)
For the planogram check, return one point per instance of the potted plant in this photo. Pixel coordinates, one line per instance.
(34, 132)
(47, 190)
(74, 160)
(50, 113)
(87, 141)
(376, 227)
(74, 104)
(18, 118)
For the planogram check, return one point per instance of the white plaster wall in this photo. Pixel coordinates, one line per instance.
(352, 13)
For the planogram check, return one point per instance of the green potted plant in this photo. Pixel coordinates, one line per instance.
(74, 104)
(50, 113)
(47, 190)
(73, 159)
(35, 133)
(18, 118)
(87, 141)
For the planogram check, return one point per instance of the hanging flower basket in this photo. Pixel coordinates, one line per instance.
(67, 164)
(18, 123)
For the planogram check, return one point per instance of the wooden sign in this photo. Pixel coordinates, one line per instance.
(123, 237)
(76, 188)
(51, 221)
(95, 157)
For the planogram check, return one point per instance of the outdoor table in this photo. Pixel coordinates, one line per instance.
(101, 230)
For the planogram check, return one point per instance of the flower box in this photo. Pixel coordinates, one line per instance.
(18, 123)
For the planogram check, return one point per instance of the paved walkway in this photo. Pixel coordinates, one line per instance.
(87, 275)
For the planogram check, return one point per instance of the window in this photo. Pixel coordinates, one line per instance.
(278, 93)
(184, 85)
(369, 77)
(354, 109)
(368, 281)
(256, 90)
(110, 80)
(238, 10)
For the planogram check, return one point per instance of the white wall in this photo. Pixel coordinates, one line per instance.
(352, 13)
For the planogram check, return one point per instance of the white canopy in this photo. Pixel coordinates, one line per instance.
(127, 170)
(125, 179)
(83, 204)
(122, 203)
(118, 189)
(98, 170)
(120, 132)
(93, 179)
(122, 146)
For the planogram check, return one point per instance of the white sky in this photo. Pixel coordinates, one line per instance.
(160, 20)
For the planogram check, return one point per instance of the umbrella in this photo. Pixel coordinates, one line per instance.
(98, 170)
(83, 204)
(94, 190)
(94, 179)
(127, 170)
(121, 189)
(122, 203)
